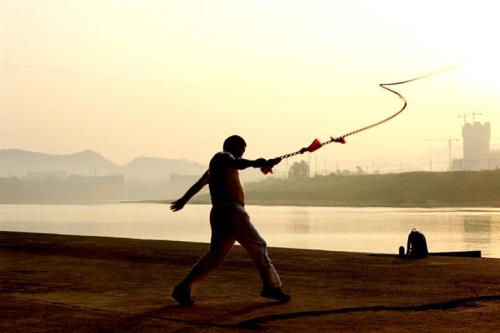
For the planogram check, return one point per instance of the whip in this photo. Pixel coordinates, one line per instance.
(316, 144)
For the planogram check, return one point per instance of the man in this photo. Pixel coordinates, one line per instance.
(229, 221)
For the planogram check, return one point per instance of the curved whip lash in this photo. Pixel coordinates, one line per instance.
(316, 144)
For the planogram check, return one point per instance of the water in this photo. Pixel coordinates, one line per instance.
(374, 230)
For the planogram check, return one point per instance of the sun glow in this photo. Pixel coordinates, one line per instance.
(135, 64)
(484, 73)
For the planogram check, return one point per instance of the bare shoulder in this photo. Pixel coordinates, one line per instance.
(221, 158)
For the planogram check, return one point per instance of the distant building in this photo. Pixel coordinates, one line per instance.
(56, 174)
(477, 154)
(111, 179)
(476, 141)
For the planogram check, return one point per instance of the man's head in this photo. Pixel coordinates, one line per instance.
(235, 145)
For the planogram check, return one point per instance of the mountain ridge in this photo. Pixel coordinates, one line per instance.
(19, 162)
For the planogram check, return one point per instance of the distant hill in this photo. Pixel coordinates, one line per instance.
(19, 163)
(146, 167)
(15, 162)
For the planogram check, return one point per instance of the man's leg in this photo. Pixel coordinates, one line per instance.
(208, 262)
(221, 244)
(255, 245)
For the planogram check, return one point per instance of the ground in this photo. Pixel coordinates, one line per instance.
(54, 283)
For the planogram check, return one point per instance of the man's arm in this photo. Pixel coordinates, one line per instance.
(179, 203)
(241, 163)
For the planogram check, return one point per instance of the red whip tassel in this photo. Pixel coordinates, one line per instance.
(315, 145)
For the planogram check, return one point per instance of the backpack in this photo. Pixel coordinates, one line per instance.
(417, 245)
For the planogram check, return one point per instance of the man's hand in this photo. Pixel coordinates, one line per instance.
(272, 162)
(260, 162)
(268, 166)
(178, 204)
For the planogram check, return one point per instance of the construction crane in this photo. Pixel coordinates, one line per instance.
(450, 140)
(473, 114)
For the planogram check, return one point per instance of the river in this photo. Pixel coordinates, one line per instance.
(373, 230)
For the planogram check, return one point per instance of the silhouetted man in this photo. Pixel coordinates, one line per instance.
(229, 221)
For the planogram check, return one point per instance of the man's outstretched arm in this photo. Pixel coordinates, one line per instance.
(179, 203)
(241, 163)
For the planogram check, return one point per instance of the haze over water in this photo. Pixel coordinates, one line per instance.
(373, 230)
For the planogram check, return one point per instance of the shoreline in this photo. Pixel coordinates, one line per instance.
(99, 284)
(472, 207)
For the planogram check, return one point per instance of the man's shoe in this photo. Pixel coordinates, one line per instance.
(182, 295)
(275, 293)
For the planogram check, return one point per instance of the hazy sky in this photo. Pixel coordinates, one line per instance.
(174, 78)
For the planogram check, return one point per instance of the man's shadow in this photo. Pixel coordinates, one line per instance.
(165, 313)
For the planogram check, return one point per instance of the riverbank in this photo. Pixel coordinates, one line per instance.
(403, 190)
(55, 283)
(205, 200)
(412, 189)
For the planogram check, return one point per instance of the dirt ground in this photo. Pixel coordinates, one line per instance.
(54, 283)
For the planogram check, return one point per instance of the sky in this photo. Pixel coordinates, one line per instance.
(174, 78)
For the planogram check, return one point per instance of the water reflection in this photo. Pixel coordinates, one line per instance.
(477, 230)
(380, 229)
(300, 222)
(483, 232)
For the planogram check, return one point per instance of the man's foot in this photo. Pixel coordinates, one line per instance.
(275, 293)
(182, 295)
